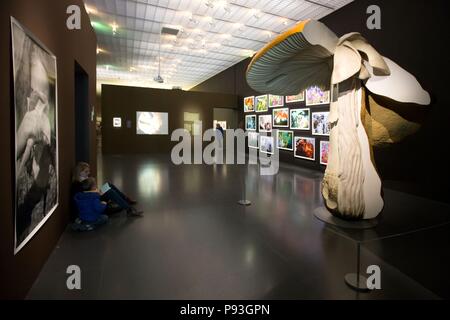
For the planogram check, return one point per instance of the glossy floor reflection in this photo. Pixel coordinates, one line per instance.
(195, 242)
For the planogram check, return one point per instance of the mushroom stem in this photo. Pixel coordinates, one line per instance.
(351, 186)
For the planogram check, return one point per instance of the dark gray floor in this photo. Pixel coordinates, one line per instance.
(195, 242)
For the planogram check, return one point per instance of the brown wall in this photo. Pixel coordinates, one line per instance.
(124, 102)
(413, 35)
(46, 19)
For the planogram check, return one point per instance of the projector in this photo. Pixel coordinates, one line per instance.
(159, 79)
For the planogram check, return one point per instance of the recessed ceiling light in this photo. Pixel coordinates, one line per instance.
(114, 27)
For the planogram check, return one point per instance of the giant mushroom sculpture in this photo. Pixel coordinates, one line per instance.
(364, 87)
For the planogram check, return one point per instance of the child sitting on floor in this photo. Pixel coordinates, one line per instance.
(91, 209)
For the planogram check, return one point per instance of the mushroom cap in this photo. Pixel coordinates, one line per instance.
(295, 60)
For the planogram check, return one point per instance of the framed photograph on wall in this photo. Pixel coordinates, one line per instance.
(265, 123)
(297, 98)
(250, 123)
(305, 148)
(324, 151)
(285, 140)
(117, 122)
(249, 104)
(275, 101)
(300, 119)
(317, 96)
(253, 140)
(36, 134)
(262, 103)
(266, 144)
(320, 124)
(281, 118)
(223, 124)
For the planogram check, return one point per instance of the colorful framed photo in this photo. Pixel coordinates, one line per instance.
(253, 140)
(297, 98)
(317, 96)
(249, 104)
(305, 148)
(281, 118)
(320, 124)
(324, 151)
(250, 123)
(285, 140)
(266, 144)
(265, 123)
(300, 119)
(275, 101)
(262, 103)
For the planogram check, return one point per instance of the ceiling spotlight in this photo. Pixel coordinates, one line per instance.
(114, 27)
(239, 26)
(225, 5)
(284, 21)
(268, 34)
(192, 18)
(99, 50)
(210, 21)
(209, 4)
(227, 9)
(256, 13)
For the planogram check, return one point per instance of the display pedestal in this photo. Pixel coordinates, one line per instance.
(356, 281)
(352, 281)
(324, 215)
(244, 202)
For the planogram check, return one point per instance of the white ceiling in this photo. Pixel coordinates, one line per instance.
(216, 34)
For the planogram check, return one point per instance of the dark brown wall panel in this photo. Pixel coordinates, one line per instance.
(46, 19)
(124, 102)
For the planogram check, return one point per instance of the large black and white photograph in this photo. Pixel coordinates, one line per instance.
(36, 143)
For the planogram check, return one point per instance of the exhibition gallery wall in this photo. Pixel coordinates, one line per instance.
(141, 120)
(404, 166)
(38, 60)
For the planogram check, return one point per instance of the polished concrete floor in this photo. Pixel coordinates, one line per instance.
(195, 242)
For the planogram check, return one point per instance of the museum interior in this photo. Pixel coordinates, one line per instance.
(224, 150)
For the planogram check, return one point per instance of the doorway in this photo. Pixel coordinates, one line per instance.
(82, 116)
(226, 117)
